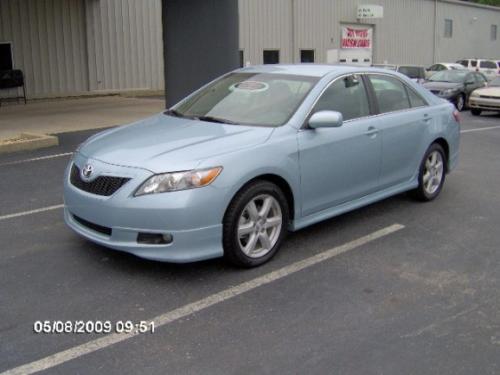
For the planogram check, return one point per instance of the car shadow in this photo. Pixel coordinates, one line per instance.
(292, 248)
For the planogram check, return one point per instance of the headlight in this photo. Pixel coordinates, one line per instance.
(475, 94)
(175, 181)
(449, 92)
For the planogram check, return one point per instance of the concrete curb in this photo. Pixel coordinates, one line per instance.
(27, 141)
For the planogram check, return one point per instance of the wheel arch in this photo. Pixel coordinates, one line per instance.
(446, 147)
(279, 181)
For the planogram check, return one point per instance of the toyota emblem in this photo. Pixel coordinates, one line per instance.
(87, 171)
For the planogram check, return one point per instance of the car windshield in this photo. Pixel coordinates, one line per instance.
(262, 99)
(411, 71)
(454, 76)
(495, 82)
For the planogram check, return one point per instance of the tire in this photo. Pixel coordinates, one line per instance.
(475, 112)
(246, 226)
(428, 190)
(460, 102)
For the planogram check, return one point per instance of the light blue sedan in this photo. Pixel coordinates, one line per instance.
(254, 154)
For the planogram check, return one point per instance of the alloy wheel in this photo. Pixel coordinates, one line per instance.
(259, 226)
(433, 172)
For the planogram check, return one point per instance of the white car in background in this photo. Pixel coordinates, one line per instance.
(442, 66)
(486, 98)
(488, 67)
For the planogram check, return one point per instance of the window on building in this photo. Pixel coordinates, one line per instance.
(271, 56)
(346, 95)
(5, 56)
(242, 58)
(448, 28)
(493, 32)
(390, 92)
(306, 55)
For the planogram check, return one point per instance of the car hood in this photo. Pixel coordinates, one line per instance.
(430, 85)
(490, 91)
(163, 143)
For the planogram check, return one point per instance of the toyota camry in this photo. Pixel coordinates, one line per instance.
(255, 154)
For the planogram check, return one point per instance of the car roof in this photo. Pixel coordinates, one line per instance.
(313, 70)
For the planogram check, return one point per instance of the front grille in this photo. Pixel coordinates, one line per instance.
(489, 97)
(94, 227)
(102, 185)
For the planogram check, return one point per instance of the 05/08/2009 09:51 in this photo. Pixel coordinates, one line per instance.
(90, 326)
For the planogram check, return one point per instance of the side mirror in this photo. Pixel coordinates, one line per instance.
(326, 119)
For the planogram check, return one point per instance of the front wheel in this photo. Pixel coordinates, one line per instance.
(255, 224)
(432, 174)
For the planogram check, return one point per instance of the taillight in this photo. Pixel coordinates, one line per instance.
(456, 116)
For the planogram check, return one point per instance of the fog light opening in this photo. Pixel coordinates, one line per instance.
(154, 238)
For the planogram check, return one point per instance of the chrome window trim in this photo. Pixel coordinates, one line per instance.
(304, 125)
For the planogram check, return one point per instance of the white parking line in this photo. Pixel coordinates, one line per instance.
(479, 129)
(36, 159)
(191, 308)
(38, 210)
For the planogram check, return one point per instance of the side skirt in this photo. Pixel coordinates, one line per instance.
(352, 205)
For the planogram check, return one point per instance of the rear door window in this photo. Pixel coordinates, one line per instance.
(487, 64)
(415, 99)
(346, 95)
(390, 93)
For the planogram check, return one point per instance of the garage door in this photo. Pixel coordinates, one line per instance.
(356, 44)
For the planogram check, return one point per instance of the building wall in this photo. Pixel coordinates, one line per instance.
(48, 44)
(70, 47)
(471, 32)
(409, 32)
(124, 44)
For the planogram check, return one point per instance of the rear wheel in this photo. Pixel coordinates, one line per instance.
(432, 173)
(255, 224)
(475, 112)
(460, 102)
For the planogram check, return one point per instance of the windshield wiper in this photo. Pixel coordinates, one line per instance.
(216, 119)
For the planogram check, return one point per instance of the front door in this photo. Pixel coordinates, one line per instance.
(340, 164)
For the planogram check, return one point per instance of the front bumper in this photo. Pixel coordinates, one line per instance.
(485, 104)
(192, 217)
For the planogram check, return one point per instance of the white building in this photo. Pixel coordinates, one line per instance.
(70, 47)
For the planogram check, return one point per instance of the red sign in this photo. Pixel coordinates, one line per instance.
(356, 38)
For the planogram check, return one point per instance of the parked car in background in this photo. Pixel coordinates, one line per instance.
(486, 98)
(258, 152)
(415, 72)
(442, 66)
(455, 85)
(488, 67)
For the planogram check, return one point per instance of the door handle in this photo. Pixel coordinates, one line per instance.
(372, 132)
(426, 118)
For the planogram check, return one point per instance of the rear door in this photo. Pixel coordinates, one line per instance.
(403, 117)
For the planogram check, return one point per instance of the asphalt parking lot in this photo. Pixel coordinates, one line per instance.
(420, 298)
